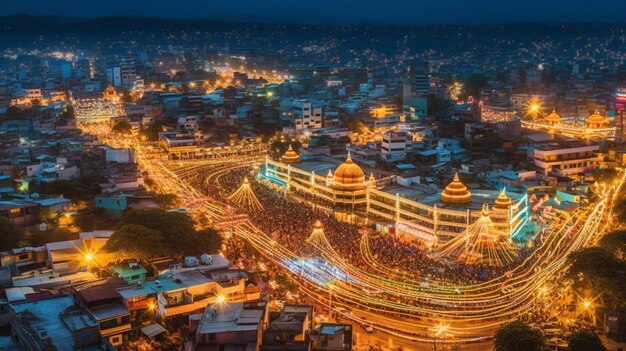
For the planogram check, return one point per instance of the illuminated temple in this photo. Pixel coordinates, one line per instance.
(429, 217)
(97, 110)
(593, 127)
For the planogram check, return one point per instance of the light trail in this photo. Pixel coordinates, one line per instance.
(406, 302)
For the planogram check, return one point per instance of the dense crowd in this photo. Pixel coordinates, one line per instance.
(289, 221)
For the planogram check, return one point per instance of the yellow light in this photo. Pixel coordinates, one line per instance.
(587, 304)
(221, 299)
(89, 257)
(151, 306)
(441, 329)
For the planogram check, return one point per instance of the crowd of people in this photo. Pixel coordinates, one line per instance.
(289, 221)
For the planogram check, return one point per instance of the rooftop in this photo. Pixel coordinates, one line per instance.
(231, 317)
(43, 318)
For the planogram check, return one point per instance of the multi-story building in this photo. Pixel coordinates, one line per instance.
(396, 145)
(304, 114)
(565, 159)
(56, 323)
(227, 326)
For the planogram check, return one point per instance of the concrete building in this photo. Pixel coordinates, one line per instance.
(565, 159)
(231, 326)
(304, 114)
(56, 323)
(396, 145)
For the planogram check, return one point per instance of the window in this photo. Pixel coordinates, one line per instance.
(115, 340)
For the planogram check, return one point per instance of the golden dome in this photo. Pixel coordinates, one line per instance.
(503, 202)
(290, 156)
(349, 176)
(456, 192)
(109, 93)
(553, 117)
(596, 119)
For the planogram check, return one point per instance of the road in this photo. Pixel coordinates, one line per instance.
(406, 308)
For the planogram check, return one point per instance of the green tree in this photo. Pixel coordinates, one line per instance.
(518, 336)
(136, 241)
(48, 215)
(177, 228)
(122, 126)
(62, 234)
(165, 200)
(600, 271)
(151, 132)
(583, 341)
(11, 235)
(208, 241)
(95, 219)
(69, 113)
(615, 243)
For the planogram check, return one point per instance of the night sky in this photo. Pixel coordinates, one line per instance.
(336, 11)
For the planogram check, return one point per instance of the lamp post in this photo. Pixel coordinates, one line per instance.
(440, 332)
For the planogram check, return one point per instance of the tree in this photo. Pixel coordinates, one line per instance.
(177, 228)
(62, 234)
(69, 113)
(48, 215)
(208, 241)
(11, 235)
(601, 271)
(583, 341)
(615, 243)
(136, 241)
(95, 219)
(165, 200)
(151, 132)
(122, 126)
(518, 336)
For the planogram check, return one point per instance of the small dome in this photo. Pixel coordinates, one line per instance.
(290, 156)
(503, 202)
(553, 117)
(109, 93)
(596, 119)
(349, 176)
(456, 192)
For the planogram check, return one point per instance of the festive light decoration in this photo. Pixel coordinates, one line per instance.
(245, 197)
(481, 243)
(290, 156)
(392, 296)
(456, 192)
(594, 127)
(348, 176)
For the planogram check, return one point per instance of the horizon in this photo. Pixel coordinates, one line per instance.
(327, 12)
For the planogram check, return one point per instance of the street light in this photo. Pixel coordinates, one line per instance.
(89, 257)
(440, 332)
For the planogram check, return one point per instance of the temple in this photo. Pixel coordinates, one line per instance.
(415, 213)
(594, 127)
